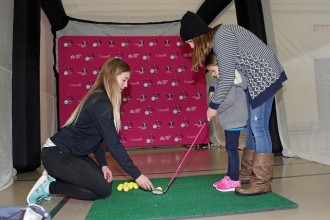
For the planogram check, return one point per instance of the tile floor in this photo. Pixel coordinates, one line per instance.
(304, 182)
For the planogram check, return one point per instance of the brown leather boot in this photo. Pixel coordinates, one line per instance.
(246, 166)
(262, 171)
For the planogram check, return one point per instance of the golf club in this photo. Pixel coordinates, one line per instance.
(160, 192)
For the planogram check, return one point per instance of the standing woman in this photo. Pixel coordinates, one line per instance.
(237, 48)
(96, 120)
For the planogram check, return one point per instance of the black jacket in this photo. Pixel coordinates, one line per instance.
(94, 128)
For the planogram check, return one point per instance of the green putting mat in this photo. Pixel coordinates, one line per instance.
(188, 197)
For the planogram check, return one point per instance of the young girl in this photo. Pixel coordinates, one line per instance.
(70, 170)
(233, 117)
(237, 48)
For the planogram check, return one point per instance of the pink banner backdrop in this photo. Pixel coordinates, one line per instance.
(165, 103)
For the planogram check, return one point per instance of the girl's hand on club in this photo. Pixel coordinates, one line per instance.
(211, 113)
(107, 174)
(144, 182)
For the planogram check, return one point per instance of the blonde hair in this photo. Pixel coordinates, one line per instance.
(107, 82)
(202, 46)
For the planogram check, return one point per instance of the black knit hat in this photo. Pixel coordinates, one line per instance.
(192, 26)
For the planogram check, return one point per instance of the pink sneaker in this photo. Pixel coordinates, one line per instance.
(225, 179)
(228, 185)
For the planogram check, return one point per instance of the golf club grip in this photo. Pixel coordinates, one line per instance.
(186, 154)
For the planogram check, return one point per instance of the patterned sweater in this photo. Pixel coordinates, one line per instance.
(238, 48)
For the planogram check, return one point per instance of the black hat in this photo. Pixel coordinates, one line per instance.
(192, 26)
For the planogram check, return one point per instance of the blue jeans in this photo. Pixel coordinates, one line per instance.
(232, 141)
(257, 130)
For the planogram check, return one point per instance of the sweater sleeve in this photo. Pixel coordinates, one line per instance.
(225, 48)
(103, 117)
(100, 156)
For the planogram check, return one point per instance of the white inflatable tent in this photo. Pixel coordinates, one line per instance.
(298, 30)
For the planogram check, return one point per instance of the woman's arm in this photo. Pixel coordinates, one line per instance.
(101, 113)
(225, 47)
(100, 156)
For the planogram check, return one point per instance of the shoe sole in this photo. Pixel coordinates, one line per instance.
(226, 190)
(40, 180)
(255, 194)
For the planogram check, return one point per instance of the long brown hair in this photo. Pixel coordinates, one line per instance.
(202, 46)
(107, 82)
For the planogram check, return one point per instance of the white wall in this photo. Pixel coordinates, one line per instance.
(48, 121)
(302, 37)
(6, 38)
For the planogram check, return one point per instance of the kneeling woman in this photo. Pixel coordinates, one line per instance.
(70, 170)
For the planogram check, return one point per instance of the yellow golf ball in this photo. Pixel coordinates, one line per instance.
(159, 188)
(130, 185)
(120, 187)
(125, 188)
(135, 186)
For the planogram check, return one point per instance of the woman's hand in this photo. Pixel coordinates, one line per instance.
(144, 182)
(211, 113)
(107, 173)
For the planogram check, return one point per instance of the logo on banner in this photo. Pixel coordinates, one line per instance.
(155, 96)
(181, 68)
(147, 83)
(125, 43)
(97, 43)
(150, 139)
(68, 71)
(174, 55)
(167, 42)
(177, 110)
(68, 100)
(184, 123)
(128, 126)
(111, 43)
(89, 57)
(89, 84)
(96, 70)
(178, 138)
(153, 42)
(67, 43)
(146, 56)
(156, 124)
(148, 111)
(140, 43)
(154, 69)
(175, 82)
(171, 124)
(126, 97)
(183, 95)
(143, 126)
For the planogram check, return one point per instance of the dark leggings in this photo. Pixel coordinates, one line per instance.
(232, 141)
(78, 177)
